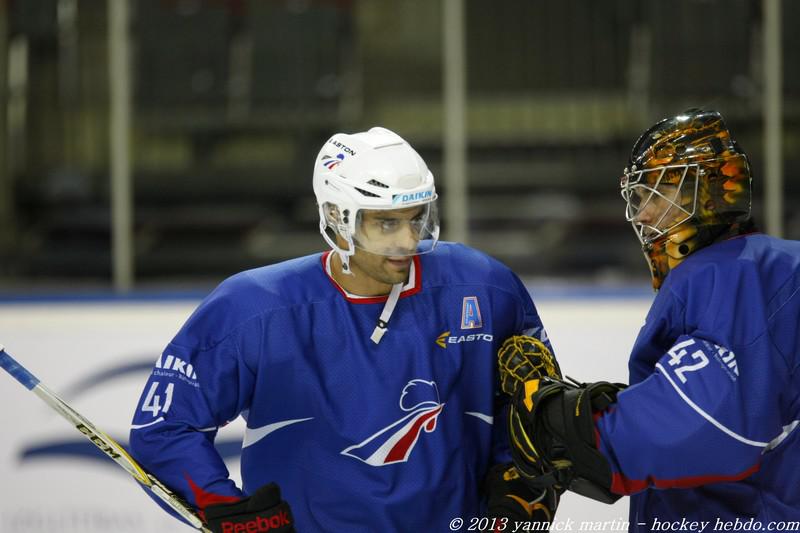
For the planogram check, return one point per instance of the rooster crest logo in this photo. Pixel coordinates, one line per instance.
(394, 443)
(330, 163)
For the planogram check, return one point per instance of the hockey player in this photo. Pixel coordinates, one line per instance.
(366, 374)
(706, 431)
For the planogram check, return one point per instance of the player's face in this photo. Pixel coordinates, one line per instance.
(660, 210)
(386, 242)
(392, 232)
(395, 234)
(380, 269)
(658, 200)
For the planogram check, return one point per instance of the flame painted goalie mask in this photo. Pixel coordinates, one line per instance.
(687, 184)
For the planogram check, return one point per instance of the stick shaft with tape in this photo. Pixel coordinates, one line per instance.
(105, 443)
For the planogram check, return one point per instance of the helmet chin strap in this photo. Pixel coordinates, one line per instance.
(343, 254)
(344, 231)
(388, 309)
(394, 295)
(345, 257)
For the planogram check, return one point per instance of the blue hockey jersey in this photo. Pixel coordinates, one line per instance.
(395, 436)
(706, 431)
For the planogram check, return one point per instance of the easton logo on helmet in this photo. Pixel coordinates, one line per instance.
(346, 149)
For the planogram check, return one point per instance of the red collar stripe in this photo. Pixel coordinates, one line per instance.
(414, 289)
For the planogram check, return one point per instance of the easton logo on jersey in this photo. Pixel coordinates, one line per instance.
(445, 338)
(471, 313)
(395, 442)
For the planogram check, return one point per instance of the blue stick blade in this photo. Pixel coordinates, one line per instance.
(19, 372)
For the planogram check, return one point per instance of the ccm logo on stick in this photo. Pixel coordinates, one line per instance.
(108, 450)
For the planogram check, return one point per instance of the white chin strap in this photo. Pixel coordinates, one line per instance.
(345, 257)
(388, 309)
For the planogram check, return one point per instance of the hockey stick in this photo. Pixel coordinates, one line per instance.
(105, 443)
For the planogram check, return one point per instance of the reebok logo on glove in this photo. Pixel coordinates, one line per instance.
(258, 524)
(261, 512)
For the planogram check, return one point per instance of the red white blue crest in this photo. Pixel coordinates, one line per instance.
(330, 162)
(394, 443)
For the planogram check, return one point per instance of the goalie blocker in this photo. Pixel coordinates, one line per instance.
(552, 430)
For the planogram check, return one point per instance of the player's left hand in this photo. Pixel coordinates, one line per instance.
(522, 358)
(263, 510)
(511, 498)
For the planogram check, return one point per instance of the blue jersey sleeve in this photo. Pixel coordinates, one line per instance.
(707, 414)
(529, 321)
(197, 385)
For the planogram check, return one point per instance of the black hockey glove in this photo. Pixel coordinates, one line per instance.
(262, 511)
(552, 431)
(510, 498)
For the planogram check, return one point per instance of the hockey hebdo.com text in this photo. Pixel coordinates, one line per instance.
(718, 524)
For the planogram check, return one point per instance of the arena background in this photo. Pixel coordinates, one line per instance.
(151, 148)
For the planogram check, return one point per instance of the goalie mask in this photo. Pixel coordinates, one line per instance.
(687, 185)
(375, 193)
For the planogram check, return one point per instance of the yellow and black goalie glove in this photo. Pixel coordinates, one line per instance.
(524, 362)
(552, 433)
(522, 358)
(551, 424)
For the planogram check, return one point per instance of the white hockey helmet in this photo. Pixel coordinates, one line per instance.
(376, 170)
